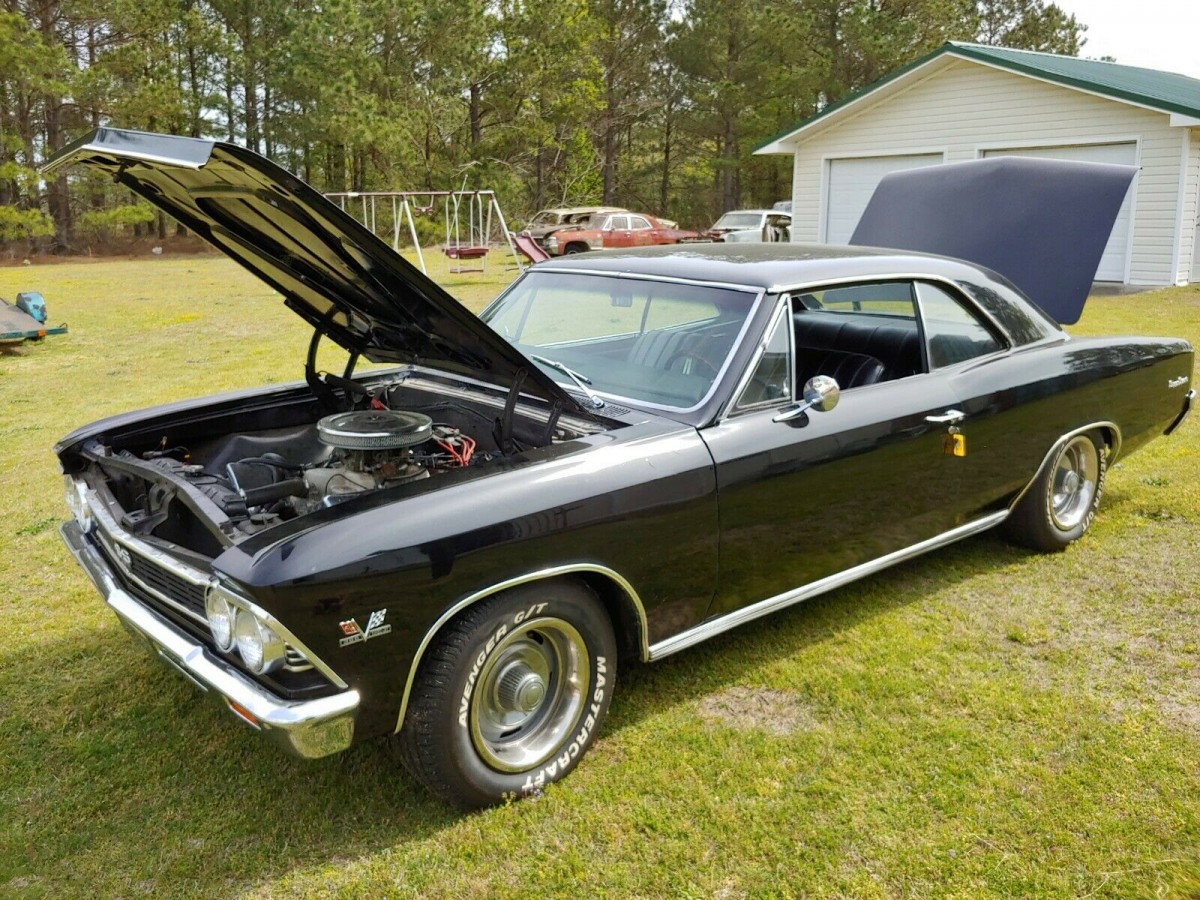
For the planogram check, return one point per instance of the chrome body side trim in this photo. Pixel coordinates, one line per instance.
(540, 575)
(306, 728)
(1113, 452)
(713, 627)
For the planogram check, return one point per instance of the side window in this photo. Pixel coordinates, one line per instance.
(893, 299)
(637, 223)
(953, 333)
(858, 334)
(771, 382)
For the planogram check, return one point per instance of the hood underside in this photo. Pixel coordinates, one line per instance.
(332, 271)
(1041, 223)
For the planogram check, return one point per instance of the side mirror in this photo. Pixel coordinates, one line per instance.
(821, 393)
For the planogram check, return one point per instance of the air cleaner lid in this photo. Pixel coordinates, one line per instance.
(375, 429)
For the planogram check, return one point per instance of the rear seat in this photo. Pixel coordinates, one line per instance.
(657, 349)
(854, 349)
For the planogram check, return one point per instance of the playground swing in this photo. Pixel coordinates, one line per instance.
(475, 246)
(482, 210)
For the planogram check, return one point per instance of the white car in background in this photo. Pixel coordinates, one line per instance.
(752, 225)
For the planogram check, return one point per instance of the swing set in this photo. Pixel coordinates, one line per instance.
(471, 219)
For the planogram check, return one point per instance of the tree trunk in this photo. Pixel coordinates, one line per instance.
(476, 114)
(664, 185)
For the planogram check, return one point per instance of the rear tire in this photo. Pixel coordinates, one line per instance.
(511, 694)
(1061, 503)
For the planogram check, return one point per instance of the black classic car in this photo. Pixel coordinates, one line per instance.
(629, 452)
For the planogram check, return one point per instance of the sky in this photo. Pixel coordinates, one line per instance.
(1155, 34)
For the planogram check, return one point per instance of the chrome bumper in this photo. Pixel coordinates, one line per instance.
(1188, 399)
(307, 728)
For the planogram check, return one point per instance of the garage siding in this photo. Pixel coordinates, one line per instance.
(963, 108)
(1189, 253)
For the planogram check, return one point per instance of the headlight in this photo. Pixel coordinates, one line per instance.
(74, 492)
(221, 614)
(261, 648)
(552, 243)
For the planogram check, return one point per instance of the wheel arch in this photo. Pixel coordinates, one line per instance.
(1110, 431)
(620, 601)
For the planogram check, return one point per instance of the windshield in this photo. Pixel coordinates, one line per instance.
(653, 342)
(739, 220)
(545, 217)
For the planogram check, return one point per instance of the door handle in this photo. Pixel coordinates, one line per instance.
(949, 417)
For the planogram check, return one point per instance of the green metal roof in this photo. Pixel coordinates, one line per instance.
(1166, 91)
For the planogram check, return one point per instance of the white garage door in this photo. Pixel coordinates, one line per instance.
(851, 184)
(1116, 252)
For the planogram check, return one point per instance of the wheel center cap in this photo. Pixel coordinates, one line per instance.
(1071, 482)
(521, 689)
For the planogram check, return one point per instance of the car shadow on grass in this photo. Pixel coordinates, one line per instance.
(121, 778)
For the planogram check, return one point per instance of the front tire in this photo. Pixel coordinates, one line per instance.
(1062, 502)
(511, 694)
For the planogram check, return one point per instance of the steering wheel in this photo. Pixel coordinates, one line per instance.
(686, 362)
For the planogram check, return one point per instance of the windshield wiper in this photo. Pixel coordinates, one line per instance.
(581, 381)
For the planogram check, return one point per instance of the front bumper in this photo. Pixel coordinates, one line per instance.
(306, 728)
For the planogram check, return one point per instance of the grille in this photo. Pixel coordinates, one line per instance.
(166, 581)
(188, 595)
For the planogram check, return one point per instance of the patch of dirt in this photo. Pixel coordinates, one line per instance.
(760, 709)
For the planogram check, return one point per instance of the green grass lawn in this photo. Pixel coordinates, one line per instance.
(979, 722)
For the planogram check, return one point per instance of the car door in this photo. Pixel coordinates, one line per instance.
(805, 499)
(617, 233)
(642, 233)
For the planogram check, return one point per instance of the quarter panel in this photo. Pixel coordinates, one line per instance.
(1018, 405)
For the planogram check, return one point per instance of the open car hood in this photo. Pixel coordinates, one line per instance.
(1041, 223)
(332, 271)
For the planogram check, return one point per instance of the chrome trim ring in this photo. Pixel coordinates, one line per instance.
(530, 694)
(1113, 438)
(1072, 487)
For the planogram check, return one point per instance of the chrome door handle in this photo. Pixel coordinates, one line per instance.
(949, 417)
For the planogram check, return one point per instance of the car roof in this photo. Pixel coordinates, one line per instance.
(571, 210)
(767, 266)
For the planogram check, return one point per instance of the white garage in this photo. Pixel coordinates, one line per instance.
(850, 183)
(969, 101)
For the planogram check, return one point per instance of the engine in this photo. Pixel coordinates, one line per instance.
(372, 448)
(357, 451)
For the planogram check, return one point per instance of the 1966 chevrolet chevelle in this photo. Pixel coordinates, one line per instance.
(628, 453)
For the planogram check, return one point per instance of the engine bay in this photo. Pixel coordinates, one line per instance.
(246, 470)
(365, 450)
